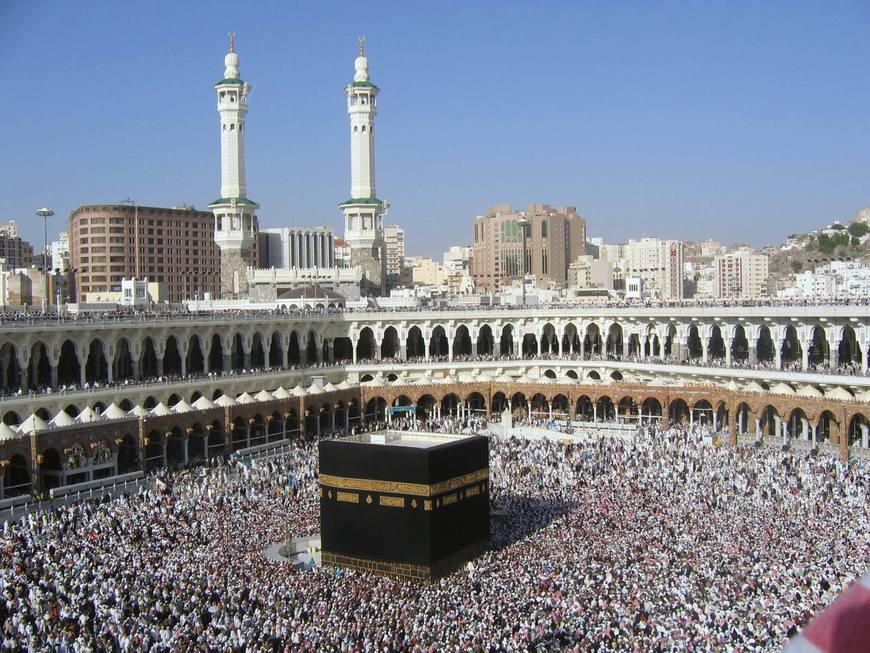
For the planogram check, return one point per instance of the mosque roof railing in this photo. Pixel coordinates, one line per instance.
(362, 200)
(230, 200)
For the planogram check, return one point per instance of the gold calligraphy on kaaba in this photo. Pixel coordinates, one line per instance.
(347, 497)
(397, 487)
(393, 502)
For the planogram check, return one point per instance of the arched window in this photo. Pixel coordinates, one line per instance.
(363, 128)
(354, 129)
(543, 228)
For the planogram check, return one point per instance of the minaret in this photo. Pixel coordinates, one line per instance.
(363, 212)
(235, 221)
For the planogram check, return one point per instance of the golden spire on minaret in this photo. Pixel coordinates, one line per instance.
(232, 41)
(362, 46)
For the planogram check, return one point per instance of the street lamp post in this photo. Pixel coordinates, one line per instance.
(45, 214)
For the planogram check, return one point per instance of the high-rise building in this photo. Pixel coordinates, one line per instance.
(234, 213)
(426, 271)
(363, 212)
(394, 240)
(176, 247)
(342, 253)
(586, 272)
(502, 252)
(60, 252)
(303, 247)
(9, 229)
(740, 274)
(659, 263)
(17, 252)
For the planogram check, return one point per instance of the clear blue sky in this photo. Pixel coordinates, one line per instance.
(741, 121)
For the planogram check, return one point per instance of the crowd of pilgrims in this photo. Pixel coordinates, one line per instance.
(660, 543)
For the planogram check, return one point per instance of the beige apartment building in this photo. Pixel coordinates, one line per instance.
(554, 237)
(659, 263)
(426, 271)
(740, 275)
(587, 272)
(172, 246)
(394, 239)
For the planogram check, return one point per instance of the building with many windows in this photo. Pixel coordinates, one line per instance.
(502, 253)
(586, 272)
(394, 238)
(740, 275)
(17, 252)
(175, 246)
(303, 247)
(425, 271)
(659, 263)
(60, 252)
(835, 279)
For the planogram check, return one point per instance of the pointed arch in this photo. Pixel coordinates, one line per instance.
(148, 359)
(506, 340)
(122, 364)
(791, 352)
(258, 352)
(390, 343)
(69, 367)
(294, 355)
(276, 357)
(716, 346)
(615, 337)
(485, 341)
(693, 343)
(194, 361)
(172, 357)
(237, 353)
(461, 342)
(365, 345)
(415, 346)
(39, 368)
(739, 344)
(438, 347)
(764, 347)
(592, 340)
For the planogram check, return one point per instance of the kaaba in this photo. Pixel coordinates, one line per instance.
(414, 505)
